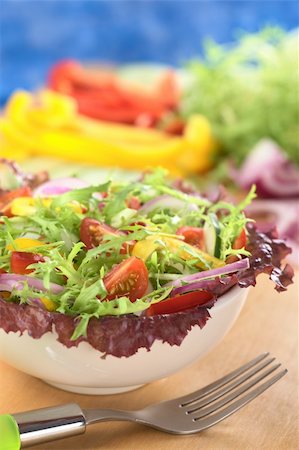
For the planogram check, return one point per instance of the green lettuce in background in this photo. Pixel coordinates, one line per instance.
(248, 91)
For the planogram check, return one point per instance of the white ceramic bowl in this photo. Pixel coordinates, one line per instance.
(82, 370)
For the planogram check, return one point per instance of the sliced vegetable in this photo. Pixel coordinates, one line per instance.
(19, 261)
(180, 303)
(129, 278)
(143, 249)
(213, 273)
(193, 236)
(102, 95)
(212, 236)
(10, 281)
(134, 203)
(6, 199)
(92, 233)
(20, 244)
(48, 304)
(239, 242)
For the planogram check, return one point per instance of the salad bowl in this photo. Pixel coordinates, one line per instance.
(106, 287)
(85, 370)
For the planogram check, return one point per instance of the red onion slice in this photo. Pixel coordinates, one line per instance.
(167, 202)
(10, 281)
(213, 273)
(59, 186)
(198, 286)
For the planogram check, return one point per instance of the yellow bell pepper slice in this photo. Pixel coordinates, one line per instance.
(143, 249)
(14, 152)
(26, 206)
(92, 150)
(118, 132)
(200, 145)
(48, 304)
(23, 244)
(47, 109)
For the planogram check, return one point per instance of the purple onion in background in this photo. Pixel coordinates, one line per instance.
(269, 169)
(59, 186)
(277, 186)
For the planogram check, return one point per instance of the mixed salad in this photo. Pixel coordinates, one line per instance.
(120, 264)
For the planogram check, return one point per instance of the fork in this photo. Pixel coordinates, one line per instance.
(184, 415)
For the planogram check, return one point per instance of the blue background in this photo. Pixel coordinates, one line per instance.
(35, 34)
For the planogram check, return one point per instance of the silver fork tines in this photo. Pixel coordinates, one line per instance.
(239, 381)
(190, 398)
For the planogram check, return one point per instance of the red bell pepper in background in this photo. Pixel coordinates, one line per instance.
(100, 94)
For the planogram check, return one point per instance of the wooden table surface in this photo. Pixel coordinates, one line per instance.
(268, 322)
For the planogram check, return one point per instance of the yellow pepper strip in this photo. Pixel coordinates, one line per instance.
(56, 110)
(143, 249)
(16, 111)
(12, 152)
(48, 304)
(23, 244)
(14, 136)
(51, 126)
(118, 132)
(200, 145)
(83, 148)
(47, 109)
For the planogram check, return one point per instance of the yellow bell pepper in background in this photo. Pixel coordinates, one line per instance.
(200, 144)
(143, 250)
(10, 151)
(52, 126)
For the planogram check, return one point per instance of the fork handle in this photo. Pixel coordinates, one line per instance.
(41, 425)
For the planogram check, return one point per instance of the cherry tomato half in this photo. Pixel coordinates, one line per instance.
(133, 202)
(92, 232)
(8, 197)
(19, 261)
(239, 242)
(193, 236)
(129, 278)
(180, 303)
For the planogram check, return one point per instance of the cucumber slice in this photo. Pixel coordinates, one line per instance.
(212, 236)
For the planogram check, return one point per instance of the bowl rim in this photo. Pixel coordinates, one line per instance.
(228, 297)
